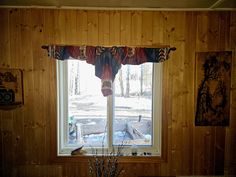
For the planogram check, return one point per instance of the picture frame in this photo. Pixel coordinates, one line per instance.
(11, 88)
(213, 82)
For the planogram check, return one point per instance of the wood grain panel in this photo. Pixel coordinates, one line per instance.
(230, 139)
(125, 31)
(4, 38)
(82, 27)
(232, 31)
(188, 94)
(147, 29)
(166, 168)
(136, 28)
(103, 28)
(224, 20)
(115, 28)
(93, 28)
(7, 140)
(6, 120)
(71, 27)
(15, 37)
(134, 170)
(59, 26)
(39, 86)
(46, 84)
(49, 28)
(158, 25)
(37, 170)
(25, 33)
(213, 32)
(175, 30)
(202, 32)
(28, 133)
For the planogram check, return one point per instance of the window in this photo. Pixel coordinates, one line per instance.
(131, 116)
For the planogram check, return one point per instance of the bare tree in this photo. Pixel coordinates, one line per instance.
(121, 83)
(141, 80)
(127, 81)
(77, 80)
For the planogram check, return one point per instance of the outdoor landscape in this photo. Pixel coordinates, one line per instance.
(132, 106)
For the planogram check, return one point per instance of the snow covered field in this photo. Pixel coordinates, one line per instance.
(89, 114)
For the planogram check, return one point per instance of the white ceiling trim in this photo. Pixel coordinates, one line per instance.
(212, 8)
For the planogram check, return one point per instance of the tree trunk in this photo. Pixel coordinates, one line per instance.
(127, 81)
(121, 83)
(141, 80)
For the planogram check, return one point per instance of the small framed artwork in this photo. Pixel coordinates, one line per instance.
(213, 82)
(11, 88)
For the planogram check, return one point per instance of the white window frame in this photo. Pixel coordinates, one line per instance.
(63, 149)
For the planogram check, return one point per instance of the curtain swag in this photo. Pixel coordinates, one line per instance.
(108, 60)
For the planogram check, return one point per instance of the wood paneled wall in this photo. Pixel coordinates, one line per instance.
(26, 131)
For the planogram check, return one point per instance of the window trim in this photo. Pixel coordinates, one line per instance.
(140, 159)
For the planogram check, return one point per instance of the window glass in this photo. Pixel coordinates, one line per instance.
(132, 123)
(87, 108)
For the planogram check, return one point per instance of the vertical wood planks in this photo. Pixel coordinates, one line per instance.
(25, 61)
(4, 38)
(13, 42)
(158, 27)
(175, 31)
(6, 143)
(26, 42)
(82, 27)
(134, 170)
(49, 28)
(147, 29)
(71, 27)
(160, 36)
(230, 139)
(4, 63)
(217, 40)
(37, 170)
(125, 25)
(40, 86)
(232, 30)
(136, 28)
(103, 28)
(28, 80)
(188, 92)
(220, 132)
(202, 136)
(26, 137)
(93, 28)
(213, 32)
(224, 28)
(42, 83)
(202, 32)
(15, 38)
(115, 27)
(59, 26)
(48, 38)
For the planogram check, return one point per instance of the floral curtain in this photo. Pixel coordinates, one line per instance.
(108, 60)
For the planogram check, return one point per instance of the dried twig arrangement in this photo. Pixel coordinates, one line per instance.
(106, 165)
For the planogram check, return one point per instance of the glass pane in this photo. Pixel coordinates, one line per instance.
(132, 124)
(87, 108)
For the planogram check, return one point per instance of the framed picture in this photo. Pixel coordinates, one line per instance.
(213, 81)
(11, 88)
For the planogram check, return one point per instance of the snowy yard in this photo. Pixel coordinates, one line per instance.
(90, 115)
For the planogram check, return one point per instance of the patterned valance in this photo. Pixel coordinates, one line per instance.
(108, 60)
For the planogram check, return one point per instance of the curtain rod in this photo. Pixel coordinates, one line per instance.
(131, 46)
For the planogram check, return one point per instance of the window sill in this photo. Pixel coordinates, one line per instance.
(122, 159)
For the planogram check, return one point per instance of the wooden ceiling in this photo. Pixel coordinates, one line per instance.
(126, 4)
